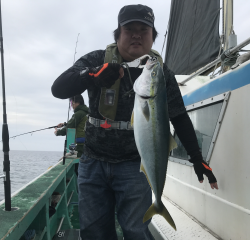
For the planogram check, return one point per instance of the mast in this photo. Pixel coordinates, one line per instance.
(229, 37)
(227, 22)
(5, 131)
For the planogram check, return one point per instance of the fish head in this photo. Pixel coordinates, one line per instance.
(151, 81)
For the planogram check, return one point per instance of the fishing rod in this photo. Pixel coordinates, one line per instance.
(65, 142)
(5, 131)
(36, 131)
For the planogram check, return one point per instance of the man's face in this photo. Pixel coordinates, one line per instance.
(136, 40)
(74, 105)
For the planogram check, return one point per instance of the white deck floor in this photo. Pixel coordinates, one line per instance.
(187, 227)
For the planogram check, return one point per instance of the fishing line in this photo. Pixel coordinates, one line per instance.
(65, 142)
(76, 48)
(16, 114)
(131, 90)
(164, 41)
(22, 144)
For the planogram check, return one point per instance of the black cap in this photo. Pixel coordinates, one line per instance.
(140, 13)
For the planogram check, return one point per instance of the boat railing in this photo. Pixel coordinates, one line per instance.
(216, 61)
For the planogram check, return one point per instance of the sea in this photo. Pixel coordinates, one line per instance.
(25, 166)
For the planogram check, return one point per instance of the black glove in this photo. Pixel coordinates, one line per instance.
(201, 167)
(105, 75)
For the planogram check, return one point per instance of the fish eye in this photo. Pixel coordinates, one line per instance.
(153, 74)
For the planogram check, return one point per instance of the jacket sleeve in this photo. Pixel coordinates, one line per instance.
(61, 132)
(185, 131)
(175, 102)
(71, 83)
(179, 117)
(72, 123)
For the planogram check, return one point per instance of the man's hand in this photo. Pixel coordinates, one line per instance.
(201, 167)
(55, 131)
(106, 74)
(60, 125)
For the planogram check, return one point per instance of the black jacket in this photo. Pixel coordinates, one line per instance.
(119, 145)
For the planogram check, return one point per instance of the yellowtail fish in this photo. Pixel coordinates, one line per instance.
(152, 132)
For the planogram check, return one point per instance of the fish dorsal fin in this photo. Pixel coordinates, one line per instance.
(132, 119)
(145, 109)
(172, 142)
(142, 169)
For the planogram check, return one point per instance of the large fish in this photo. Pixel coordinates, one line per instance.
(152, 132)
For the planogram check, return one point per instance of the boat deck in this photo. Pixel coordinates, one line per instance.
(187, 227)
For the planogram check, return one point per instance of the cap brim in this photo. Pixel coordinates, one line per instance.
(137, 20)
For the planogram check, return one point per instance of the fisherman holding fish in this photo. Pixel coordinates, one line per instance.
(109, 169)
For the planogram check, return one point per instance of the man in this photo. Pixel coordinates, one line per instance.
(77, 121)
(109, 168)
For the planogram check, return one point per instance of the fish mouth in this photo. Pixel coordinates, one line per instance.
(147, 97)
(151, 63)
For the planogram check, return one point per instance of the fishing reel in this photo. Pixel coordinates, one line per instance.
(72, 148)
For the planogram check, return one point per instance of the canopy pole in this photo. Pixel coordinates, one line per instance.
(5, 131)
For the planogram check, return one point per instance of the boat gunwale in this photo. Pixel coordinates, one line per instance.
(28, 211)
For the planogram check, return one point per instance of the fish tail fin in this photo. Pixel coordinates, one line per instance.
(162, 211)
(168, 217)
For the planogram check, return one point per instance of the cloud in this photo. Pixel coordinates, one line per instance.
(39, 43)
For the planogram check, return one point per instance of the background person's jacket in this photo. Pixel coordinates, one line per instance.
(77, 121)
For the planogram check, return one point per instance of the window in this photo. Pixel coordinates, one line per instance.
(206, 121)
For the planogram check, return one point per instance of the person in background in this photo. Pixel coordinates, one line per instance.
(77, 121)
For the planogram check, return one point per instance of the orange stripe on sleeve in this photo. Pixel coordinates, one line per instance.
(207, 167)
(100, 71)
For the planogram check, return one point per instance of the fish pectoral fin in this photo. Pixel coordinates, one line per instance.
(159, 210)
(145, 109)
(132, 119)
(142, 169)
(172, 142)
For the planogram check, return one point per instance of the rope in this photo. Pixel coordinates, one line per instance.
(221, 42)
(228, 59)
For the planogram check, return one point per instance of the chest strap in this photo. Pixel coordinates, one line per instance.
(114, 124)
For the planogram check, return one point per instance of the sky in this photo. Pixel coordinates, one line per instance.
(39, 44)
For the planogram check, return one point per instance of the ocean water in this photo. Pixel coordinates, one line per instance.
(25, 166)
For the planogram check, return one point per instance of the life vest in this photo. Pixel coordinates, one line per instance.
(109, 96)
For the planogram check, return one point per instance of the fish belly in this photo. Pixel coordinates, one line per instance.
(152, 140)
